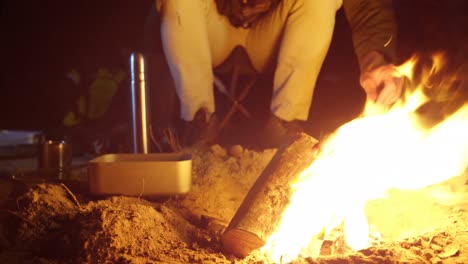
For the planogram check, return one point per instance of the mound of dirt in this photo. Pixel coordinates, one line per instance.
(52, 223)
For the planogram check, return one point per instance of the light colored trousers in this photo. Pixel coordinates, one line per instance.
(295, 36)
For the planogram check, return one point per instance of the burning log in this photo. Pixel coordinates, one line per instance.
(261, 211)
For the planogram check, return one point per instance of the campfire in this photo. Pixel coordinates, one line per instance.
(382, 189)
(364, 160)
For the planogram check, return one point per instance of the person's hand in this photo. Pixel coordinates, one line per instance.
(380, 80)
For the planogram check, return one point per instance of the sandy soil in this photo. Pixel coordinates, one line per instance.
(60, 223)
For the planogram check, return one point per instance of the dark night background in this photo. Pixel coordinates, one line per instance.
(42, 40)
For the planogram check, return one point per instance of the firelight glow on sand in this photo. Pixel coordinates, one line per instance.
(361, 161)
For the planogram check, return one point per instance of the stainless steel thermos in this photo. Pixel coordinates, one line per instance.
(140, 109)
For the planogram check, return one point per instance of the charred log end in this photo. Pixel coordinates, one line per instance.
(260, 213)
(240, 242)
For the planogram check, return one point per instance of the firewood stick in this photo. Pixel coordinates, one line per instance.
(261, 210)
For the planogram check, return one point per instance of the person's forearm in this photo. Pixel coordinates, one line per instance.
(373, 27)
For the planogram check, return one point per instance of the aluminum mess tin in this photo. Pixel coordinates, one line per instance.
(140, 174)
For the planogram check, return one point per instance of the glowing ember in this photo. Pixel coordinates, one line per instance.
(362, 161)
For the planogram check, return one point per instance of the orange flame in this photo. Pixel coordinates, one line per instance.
(364, 159)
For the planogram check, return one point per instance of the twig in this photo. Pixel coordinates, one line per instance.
(142, 188)
(72, 195)
(172, 138)
(19, 216)
(151, 132)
